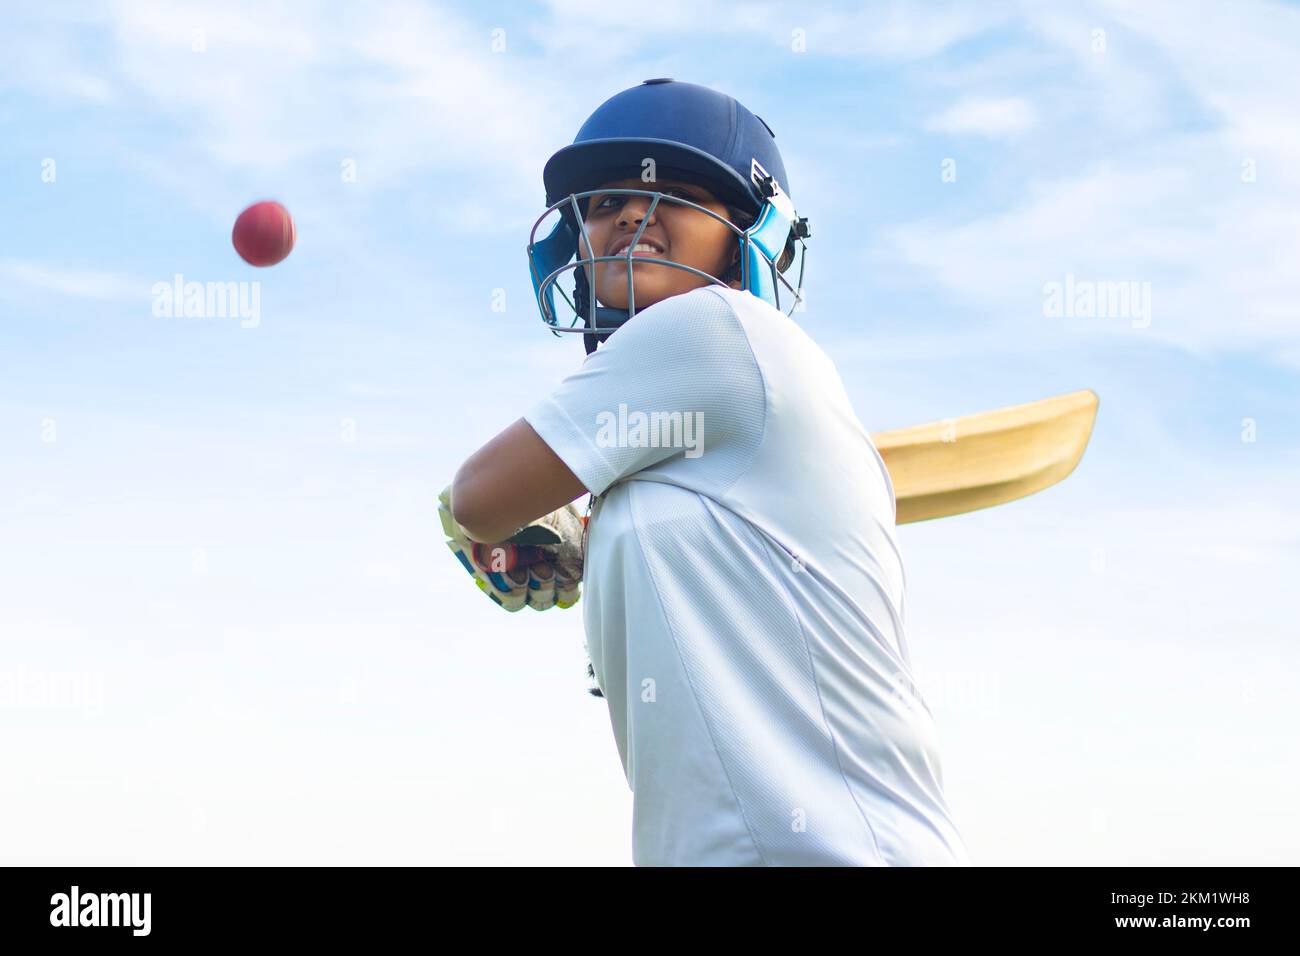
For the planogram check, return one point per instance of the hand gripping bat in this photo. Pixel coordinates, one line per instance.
(540, 566)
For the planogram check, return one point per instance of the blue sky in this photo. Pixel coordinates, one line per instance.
(223, 539)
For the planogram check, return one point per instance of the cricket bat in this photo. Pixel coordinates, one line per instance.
(977, 461)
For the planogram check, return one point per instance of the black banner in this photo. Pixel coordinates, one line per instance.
(1227, 906)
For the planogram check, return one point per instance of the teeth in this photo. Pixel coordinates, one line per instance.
(639, 247)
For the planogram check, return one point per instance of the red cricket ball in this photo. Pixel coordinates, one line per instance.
(264, 233)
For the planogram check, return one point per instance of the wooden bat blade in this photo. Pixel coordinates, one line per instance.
(977, 461)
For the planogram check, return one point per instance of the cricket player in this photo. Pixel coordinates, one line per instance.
(743, 582)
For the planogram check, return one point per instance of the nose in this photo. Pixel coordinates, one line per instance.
(634, 209)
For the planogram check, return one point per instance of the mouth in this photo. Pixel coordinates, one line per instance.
(646, 247)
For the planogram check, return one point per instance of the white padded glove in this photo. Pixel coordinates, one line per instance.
(539, 566)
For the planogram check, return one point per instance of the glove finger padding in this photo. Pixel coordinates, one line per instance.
(567, 592)
(559, 534)
(541, 586)
(517, 596)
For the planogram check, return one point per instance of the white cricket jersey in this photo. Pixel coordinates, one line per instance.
(743, 596)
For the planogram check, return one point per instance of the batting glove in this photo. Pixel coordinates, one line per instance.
(540, 566)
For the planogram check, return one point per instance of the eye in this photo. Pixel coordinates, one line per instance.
(602, 201)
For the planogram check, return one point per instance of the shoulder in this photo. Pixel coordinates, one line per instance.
(708, 305)
(689, 326)
(774, 335)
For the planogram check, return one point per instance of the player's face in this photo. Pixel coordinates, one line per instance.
(682, 234)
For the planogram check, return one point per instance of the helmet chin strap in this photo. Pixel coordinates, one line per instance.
(608, 321)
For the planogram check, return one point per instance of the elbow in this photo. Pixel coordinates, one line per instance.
(471, 512)
(464, 504)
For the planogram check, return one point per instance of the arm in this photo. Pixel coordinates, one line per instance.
(512, 480)
(666, 362)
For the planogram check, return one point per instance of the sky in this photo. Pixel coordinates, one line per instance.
(230, 629)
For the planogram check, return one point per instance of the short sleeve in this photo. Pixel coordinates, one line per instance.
(676, 390)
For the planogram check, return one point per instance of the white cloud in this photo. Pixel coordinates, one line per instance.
(984, 116)
(1221, 264)
(42, 56)
(409, 92)
(894, 30)
(273, 84)
(1240, 62)
(1173, 209)
(76, 283)
(902, 31)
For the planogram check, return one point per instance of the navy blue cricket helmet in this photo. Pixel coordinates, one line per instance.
(690, 133)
